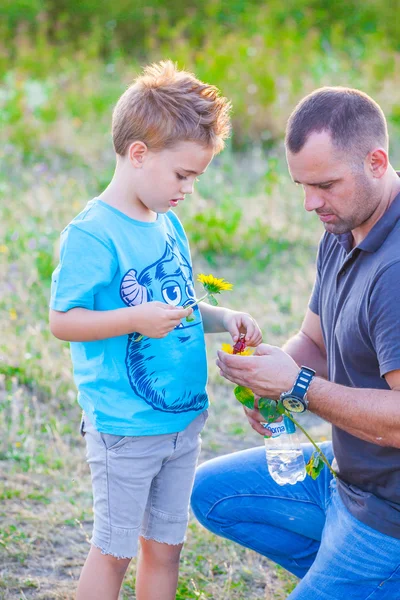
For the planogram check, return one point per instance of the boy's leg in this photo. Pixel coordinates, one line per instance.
(122, 471)
(235, 497)
(157, 571)
(101, 576)
(167, 513)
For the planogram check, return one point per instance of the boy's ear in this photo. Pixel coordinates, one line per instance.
(137, 152)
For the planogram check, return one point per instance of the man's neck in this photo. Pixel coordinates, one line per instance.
(389, 192)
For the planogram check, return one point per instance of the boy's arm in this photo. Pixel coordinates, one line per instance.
(217, 319)
(152, 319)
(213, 317)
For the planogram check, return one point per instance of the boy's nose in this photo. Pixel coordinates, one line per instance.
(187, 187)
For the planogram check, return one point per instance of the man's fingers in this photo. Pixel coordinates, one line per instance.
(232, 361)
(235, 378)
(232, 372)
(264, 349)
(258, 427)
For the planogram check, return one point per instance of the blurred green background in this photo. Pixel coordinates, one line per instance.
(63, 65)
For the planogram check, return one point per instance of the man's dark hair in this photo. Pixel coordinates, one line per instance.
(355, 122)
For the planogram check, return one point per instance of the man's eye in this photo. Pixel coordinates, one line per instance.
(327, 186)
(181, 177)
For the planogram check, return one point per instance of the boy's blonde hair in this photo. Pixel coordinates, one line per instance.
(165, 106)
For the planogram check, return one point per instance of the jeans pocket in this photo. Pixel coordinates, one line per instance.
(113, 442)
(82, 430)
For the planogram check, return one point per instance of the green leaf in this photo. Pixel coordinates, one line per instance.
(269, 409)
(213, 301)
(245, 396)
(314, 465)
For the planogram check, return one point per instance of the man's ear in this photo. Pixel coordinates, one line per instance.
(137, 152)
(378, 162)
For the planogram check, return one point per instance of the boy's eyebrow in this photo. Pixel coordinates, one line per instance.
(191, 172)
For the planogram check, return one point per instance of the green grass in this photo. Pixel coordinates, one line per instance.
(245, 223)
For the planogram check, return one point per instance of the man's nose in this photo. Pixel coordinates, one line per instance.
(312, 199)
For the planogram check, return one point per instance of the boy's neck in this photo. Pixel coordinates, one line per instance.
(118, 195)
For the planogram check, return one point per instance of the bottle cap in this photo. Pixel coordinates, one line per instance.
(290, 426)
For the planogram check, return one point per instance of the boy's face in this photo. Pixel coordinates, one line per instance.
(165, 177)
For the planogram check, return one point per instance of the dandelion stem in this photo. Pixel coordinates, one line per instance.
(197, 301)
(318, 449)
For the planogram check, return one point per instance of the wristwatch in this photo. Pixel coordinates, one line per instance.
(295, 400)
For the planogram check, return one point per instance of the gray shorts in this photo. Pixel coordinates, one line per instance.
(141, 486)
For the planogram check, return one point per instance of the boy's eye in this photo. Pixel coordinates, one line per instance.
(181, 177)
(327, 186)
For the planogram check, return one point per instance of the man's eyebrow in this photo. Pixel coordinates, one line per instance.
(191, 172)
(327, 182)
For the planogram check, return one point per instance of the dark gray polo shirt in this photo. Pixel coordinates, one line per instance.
(357, 296)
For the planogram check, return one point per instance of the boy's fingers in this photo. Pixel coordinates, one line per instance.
(178, 313)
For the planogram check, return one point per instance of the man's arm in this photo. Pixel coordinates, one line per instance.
(370, 414)
(307, 347)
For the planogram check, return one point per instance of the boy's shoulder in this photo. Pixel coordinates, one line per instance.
(92, 222)
(176, 224)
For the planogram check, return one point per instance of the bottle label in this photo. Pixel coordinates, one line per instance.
(276, 428)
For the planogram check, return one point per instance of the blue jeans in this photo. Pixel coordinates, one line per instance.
(303, 527)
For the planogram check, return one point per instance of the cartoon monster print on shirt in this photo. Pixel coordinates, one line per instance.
(168, 280)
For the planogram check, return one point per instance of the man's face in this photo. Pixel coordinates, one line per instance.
(169, 175)
(341, 192)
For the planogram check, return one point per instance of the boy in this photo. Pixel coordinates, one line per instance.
(120, 295)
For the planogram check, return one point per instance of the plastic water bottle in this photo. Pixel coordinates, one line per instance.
(284, 454)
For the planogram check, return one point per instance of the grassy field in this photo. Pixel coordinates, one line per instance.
(246, 224)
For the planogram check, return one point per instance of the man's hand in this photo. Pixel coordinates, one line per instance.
(236, 323)
(268, 373)
(255, 419)
(156, 319)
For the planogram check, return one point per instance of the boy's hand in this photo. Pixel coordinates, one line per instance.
(236, 323)
(156, 319)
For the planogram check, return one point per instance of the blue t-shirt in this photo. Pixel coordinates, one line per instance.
(108, 261)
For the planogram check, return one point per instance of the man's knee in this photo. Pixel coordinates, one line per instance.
(200, 495)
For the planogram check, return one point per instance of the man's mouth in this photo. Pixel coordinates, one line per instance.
(326, 217)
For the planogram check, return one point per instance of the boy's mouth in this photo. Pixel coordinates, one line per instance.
(175, 201)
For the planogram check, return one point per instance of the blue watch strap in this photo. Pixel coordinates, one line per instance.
(302, 382)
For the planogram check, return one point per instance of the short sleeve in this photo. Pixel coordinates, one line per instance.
(384, 319)
(86, 265)
(313, 304)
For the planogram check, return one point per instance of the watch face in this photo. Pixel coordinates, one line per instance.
(293, 404)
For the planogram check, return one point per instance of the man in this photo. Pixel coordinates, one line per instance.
(340, 536)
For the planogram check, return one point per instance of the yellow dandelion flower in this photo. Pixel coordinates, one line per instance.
(213, 284)
(18, 444)
(13, 314)
(229, 350)
(3, 249)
